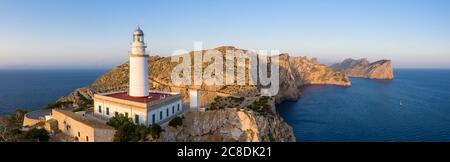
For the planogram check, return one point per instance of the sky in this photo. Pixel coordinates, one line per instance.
(96, 34)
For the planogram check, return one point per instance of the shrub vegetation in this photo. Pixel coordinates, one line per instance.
(127, 131)
(175, 122)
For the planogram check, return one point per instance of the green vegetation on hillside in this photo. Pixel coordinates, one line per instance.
(84, 103)
(226, 102)
(58, 104)
(175, 122)
(261, 105)
(38, 135)
(127, 131)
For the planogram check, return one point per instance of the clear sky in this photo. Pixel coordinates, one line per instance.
(97, 34)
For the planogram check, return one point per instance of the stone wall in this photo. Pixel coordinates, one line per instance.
(76, 126)
(34, 117)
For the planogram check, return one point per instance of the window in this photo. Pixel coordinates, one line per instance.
(79, 135)
(126, 114)
(87, 139)
(99, 109)
(153, 118)
(136, 119)
(160, 115)
(116, 113)
(173, 109)
(178, 109)
(107, 111)
(167, 112)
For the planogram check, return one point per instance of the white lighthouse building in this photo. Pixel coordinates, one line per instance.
(138, 66)
(144, 107)
(138, 103)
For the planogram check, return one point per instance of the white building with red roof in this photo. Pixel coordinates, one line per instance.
(143, 106)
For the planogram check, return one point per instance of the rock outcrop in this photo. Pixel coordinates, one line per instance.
(362, 68)
(229, 125)
(296, 72)
(78, 96)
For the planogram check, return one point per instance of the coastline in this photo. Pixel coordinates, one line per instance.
(306, 72)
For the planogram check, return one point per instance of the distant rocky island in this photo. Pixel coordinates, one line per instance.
(362, 68)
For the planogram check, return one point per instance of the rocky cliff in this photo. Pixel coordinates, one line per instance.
(362, 68)
(296, 72)
(227, 122)
(228, 125)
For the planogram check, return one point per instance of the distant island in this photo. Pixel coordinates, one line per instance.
(362, 68)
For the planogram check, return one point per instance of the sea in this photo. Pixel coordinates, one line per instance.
(34, 89)
(414, 107)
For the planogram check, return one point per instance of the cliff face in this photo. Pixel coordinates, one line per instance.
(296, 72)
(229, 125)
(362, 68)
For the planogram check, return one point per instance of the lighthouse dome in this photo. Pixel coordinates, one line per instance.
(138, 31)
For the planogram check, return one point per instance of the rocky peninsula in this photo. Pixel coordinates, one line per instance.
(239, 112)
(362, 68)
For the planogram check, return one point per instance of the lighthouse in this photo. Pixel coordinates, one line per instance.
(138, 103)
(138, 66)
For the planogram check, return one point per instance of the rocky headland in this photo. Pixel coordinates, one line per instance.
(248, 120)
(230, 124)
(362, 68)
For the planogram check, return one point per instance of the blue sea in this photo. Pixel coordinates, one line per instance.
(34, 89)
(414, 107)
(369, 110)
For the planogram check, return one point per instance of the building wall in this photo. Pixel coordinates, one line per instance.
(51, 125)
(163, 110)
(71, 127)
(132, 111)
(194, 98)
(34, 117)
(104, 135)
(30, 122)
(145, 115)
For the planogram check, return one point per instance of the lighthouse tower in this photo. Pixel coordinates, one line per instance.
(138, 66)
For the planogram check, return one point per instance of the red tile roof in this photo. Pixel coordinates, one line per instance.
(151, 98)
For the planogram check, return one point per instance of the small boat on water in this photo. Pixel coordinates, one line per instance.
(401, 103)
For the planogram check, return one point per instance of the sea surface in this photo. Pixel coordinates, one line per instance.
(413, 107)
(34, 89)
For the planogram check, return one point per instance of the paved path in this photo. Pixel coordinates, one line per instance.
(183, 87)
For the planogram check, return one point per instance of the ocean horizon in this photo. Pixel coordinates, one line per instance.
(33, 89)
